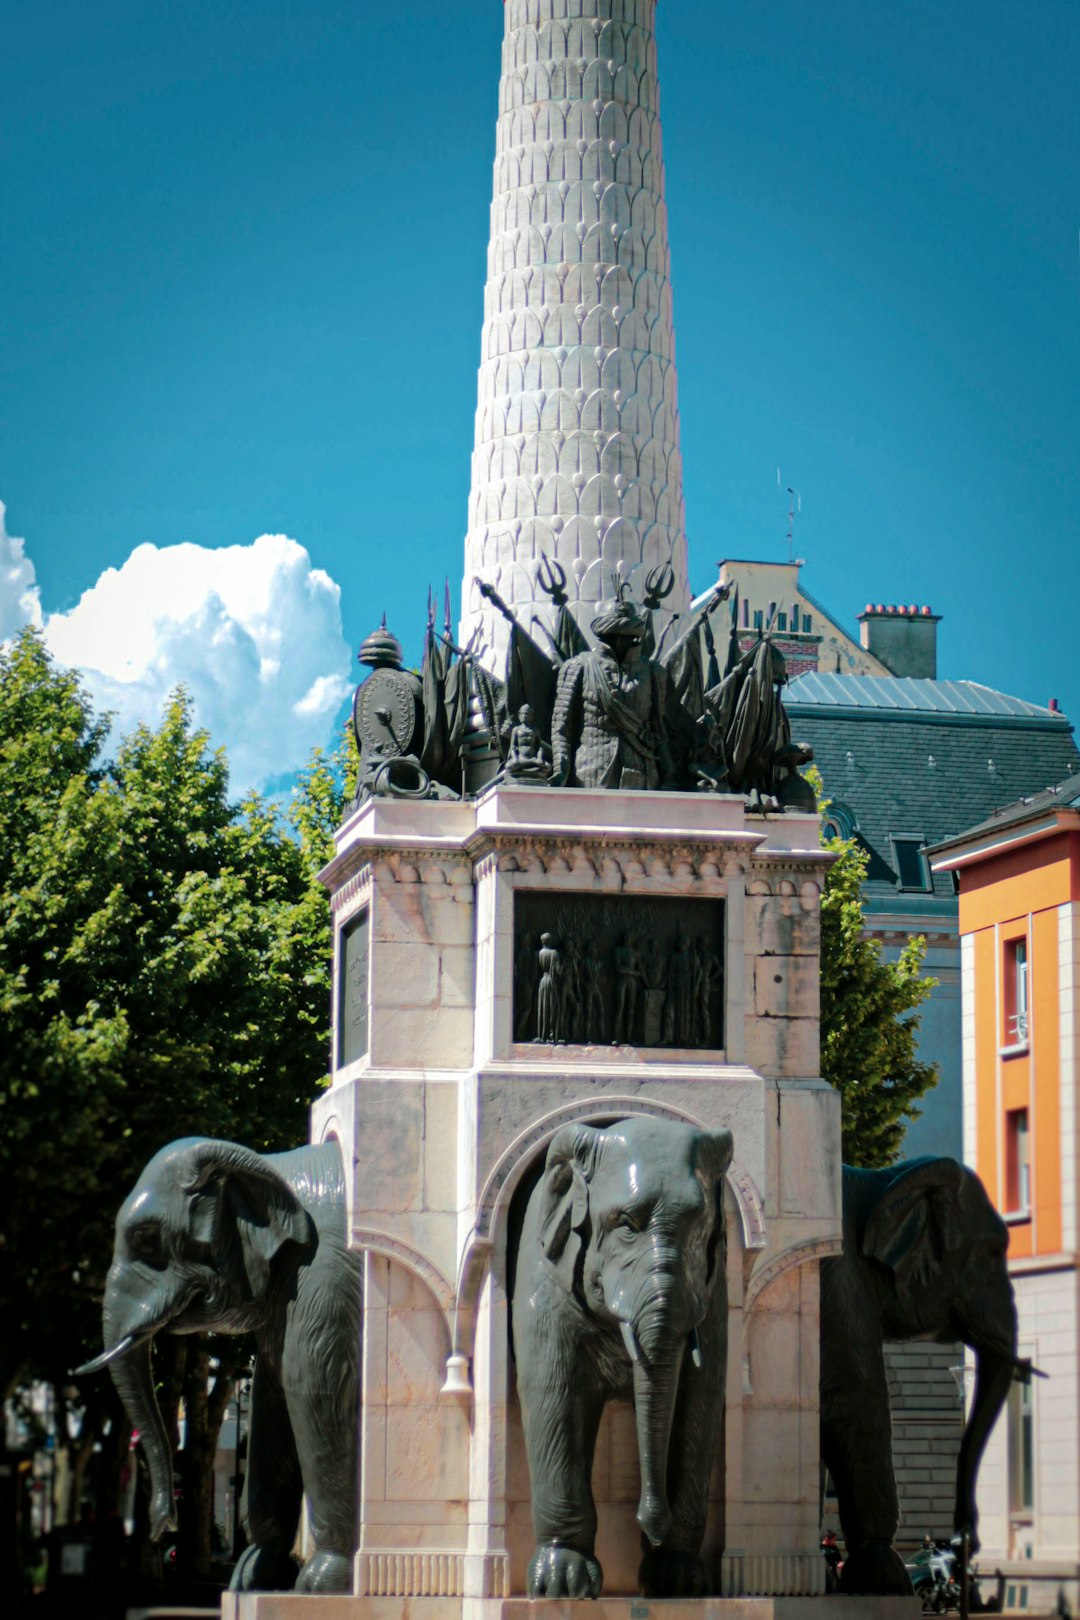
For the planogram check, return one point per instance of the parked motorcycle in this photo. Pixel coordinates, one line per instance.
(935, 1576)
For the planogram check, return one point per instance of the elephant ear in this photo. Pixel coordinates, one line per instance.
(917, 1223)
(564, 1195)
(241, 1207)
(712, 1157)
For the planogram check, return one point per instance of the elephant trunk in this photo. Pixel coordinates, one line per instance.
(131, 1373)
(656, 1388)
(993, 1379)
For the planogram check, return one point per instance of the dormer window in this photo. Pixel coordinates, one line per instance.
(909, 862)
(839, 821)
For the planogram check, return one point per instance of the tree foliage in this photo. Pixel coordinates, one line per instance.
(869, 1017)
(164, 971)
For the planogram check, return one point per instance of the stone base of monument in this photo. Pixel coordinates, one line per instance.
(291, 1606)
(451, 1076)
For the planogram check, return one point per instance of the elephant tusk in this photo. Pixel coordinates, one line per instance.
(695, 1349)
(630, 1341)
(128, 1342)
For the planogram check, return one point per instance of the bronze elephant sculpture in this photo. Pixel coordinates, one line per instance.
(924, 1258)
(217, 1238)
(620, 1290)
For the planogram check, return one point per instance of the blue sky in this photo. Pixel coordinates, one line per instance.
(241, 294)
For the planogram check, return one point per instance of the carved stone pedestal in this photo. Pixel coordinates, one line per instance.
(285, 1606)
(444, 1107)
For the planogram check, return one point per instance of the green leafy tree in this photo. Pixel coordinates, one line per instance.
(869, 1016)
(164, 971)
(63, 1040)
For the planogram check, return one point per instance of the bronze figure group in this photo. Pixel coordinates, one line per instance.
(641, 992)
(610, 707)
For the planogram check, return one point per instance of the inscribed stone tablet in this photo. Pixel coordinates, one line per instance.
(353, 993)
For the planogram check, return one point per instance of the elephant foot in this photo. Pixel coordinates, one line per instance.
(264, 1568)
(875, 1569)
(557, 1572)
(665, 1572)
(326, 1572)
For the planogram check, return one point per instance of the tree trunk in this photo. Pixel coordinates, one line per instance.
(204, 1412)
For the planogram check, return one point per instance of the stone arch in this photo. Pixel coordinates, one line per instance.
(798, 1254)
(494, 1203)
(403, 1254)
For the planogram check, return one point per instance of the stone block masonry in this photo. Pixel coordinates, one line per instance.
(447, 1112)
(577, 425)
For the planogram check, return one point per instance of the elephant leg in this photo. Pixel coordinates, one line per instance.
(561, 1418)
(676, 1569)
(856, 1448)
(326, 1426)
(271, 1506)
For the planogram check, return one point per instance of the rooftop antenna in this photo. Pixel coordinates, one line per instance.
(794, 509)
(794, 506)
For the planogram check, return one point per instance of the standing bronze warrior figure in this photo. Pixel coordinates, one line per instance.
(609, 728)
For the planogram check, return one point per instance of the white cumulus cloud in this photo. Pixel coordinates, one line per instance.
(20, 598)
(253, 631)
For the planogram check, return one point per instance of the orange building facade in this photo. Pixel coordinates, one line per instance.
(1018, 877)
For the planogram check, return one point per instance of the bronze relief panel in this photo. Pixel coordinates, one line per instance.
(618, 970)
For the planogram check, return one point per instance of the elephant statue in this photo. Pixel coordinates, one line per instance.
(620, 1290)
(924, 1258)
(217, 1238)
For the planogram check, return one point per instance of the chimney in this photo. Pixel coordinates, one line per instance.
(903, 638)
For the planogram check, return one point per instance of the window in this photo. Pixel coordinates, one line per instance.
(1015, 988)
(1021, 1420)
(746, 612)
(759, 619)
(910, 863)
(807, 624)
(781, 621)
(1017, 1163)
(840, 821)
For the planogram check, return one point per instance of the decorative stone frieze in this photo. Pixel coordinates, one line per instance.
(613, 862)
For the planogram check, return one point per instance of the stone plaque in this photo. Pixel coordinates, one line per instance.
(620, 970)
(353, 990)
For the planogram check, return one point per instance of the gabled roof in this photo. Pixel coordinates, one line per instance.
(1033, 807)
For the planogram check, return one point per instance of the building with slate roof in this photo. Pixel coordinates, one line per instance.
(908, 763)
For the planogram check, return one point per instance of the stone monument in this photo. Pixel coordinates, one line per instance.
(577, 423)
(558, 918)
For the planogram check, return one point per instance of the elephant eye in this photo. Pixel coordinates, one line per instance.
(145, 1240)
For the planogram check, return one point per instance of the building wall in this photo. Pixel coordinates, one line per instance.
(928, 1422)
(824, 645)
(938, 1130)
(1030, 893)
(1011, 896)
(1048, 1303)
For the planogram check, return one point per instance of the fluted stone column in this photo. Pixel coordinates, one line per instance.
(577, 423)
